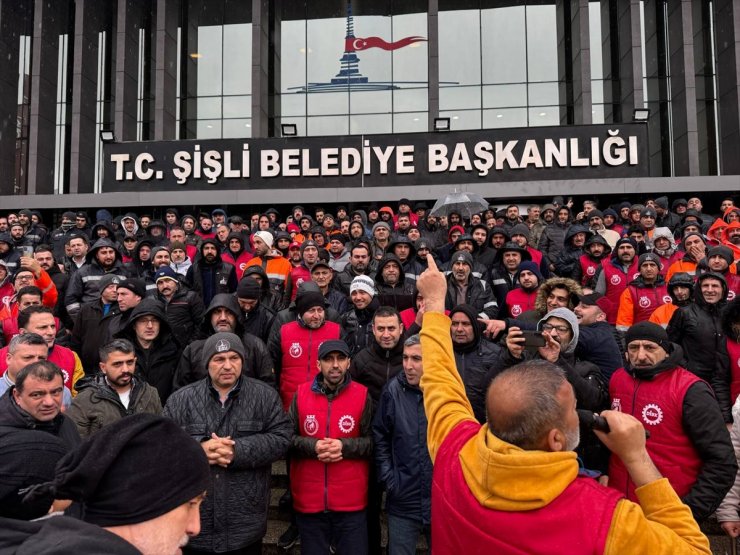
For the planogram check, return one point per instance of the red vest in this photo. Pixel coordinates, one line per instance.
(658, 404)
(665, 263)
(61, 356)
(239, 263)
(339, 486)
(616, 282)
(519, 301)
(300, 349)
(733, 285)
(733, 350)
(646, 299)
(298, 275)
(536, 255)
(576, 522)
(588, 268)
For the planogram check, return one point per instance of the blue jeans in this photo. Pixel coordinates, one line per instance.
(347, 531)
(403, 533)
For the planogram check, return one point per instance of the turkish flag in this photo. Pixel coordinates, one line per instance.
(356, 44)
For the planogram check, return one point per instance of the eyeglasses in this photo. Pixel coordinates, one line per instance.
(24, 278)
(560, 329)
(148, 321)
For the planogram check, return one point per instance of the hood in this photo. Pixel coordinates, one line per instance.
(568, 316)
(665, 233)
(681, 279)
(6, 237)
(520, 229)
(363, 216)
(459, 228)
(540, 303)
(104, 224)
(403, 240)
(507, 478)
(599, 239)
(716, 230)
(699, 299)
(730, 315)
(99, 244)
(131, 216)
(103, 215)
(726, 235)
(497, 230)
(252, 270)
(729, 211)
(571, 232)
(379, 274)
(239, 237)
(223, 300)
(472, 315)
(147, 307)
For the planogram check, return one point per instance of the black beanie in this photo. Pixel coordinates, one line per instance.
(248, 288)
(131, 471)
(27, 458)
(309, 300)
(648, 331)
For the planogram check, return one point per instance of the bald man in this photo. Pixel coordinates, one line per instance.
(493, 484)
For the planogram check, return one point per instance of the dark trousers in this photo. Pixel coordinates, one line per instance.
(251, 549)
(346, 531)
(374, 502)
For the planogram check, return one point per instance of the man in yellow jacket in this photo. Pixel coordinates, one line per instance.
(488, 495)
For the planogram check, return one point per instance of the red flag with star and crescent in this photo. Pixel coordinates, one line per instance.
(353, 44)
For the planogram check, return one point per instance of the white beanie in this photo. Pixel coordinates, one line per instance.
(266, 237)
(363, 283)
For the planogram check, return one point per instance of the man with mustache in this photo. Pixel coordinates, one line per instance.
(114, 393)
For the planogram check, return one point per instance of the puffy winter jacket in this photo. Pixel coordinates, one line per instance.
(234, 512)
(552, 240)
(356, 327)
(374, 367)
(567, 259)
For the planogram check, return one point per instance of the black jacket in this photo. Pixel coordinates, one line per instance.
(552, 240)
(399, 296)
(357, 329)
(157, 364)
(209, 280)
(234, 512)
(83, 286)
(60, 535)
(12, 416)
(257, 361)
(343, 279)
(477, 363)
(478, 295)
(259, 321)
(184, 313)
(268, 297)
(401, 456)
(697, 328)
(568, 259)
(90, 332)
(374, 367)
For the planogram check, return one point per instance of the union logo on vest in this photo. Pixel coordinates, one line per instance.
(346, 424)
(295, 350)
(652, 414)
(310, 425)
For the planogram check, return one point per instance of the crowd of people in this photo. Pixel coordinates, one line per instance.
(309, 337)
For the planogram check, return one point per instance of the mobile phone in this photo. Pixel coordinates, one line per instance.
(533, 338)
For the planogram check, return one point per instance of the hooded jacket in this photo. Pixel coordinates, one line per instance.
(478, 362)
(239, 259)
(157, 364)
(257, 361)
(209, 279)
(399, 296)
(567, 260)
(269, 297)
(697, 328)
(83, 287)
(552, 240)
(587, 268)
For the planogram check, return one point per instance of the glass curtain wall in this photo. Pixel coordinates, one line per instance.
(215, 75)
(63, 131)
(498, 64)
(354, 67)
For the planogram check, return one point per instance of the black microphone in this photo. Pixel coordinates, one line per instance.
(593, 421)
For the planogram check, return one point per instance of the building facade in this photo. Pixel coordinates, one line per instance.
(203, 70)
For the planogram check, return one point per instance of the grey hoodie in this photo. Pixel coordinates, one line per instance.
(568, 316)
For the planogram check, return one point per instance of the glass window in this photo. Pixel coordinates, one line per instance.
(505, 117)
(334, 64)
(216, 84)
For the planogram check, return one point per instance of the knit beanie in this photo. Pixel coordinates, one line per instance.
(131, 471)
(723, 251)
(175, 245)
(248, 288)
(381, 224)
(532, 267)
(135, 285)
(363, 283)
(648, 257)
(309, 300)
(464, 257)
(222, 342)
(647, 331)
(266, 237)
